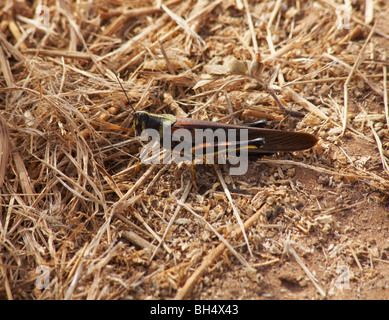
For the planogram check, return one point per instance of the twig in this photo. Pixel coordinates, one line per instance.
(4, 149)
(5, 68)
(152, 232)
(385, 74)
(271, 92)
(221, 238)
(355, 257)
(345, 86)
(3, 272)
(213, 255)
(379, 144)
(288, 249)
(170, 67)
(139, 241)
(60, 53)
(76, 29)
(306, 104)
(173, 218)
(75, 273)
(184, 25)
(234, 209)
(251, 26)
(210, 7)
(318, 169)
(365, 78)
(265, 264)
(156, 178)
(269, 40)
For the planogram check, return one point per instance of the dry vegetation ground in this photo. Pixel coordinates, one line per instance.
(72, 200)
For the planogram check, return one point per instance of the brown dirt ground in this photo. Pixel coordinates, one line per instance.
(72, 199)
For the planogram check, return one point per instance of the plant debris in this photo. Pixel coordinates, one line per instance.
(80, 218)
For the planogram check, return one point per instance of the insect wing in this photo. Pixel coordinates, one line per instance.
(274, 140)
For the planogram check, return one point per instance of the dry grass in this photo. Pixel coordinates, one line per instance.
(72, 200)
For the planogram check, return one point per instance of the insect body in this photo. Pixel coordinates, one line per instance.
(251, 137)
(259, 141)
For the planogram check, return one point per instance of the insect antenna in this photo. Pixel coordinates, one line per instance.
(125, 94)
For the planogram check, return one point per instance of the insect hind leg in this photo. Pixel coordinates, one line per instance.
(257, 124)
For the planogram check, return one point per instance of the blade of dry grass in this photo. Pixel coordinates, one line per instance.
(65, 11)
(251, 26)
(4, 65)
(200, 13)
(369, 11)
(60, 53)
(365, 79)
(288, 249)
(234, 208)
(23, 174)
(139, 241)
(4, 276)
(11, 49)
(173, 218)
(350, 175)
(221, 238)
(306, 104)
(184, 25)
(350, 75)
(4, 149)
(185, 290)
(384, 160)
(385, 81)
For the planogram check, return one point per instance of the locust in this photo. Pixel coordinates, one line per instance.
(252, 138)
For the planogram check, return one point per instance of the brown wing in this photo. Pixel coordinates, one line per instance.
(275, 140)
